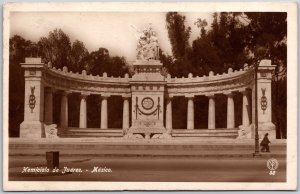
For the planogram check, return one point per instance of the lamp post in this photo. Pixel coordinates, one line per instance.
(256, 151)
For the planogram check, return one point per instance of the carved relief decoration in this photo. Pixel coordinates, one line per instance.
(263, 100)
(147, 104)
(32, 100)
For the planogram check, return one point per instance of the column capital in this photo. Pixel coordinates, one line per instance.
(65, 93)
(210, 95)
(190, 96)
(169, 97)
(84, 94)
(104, 96)
(49, 90)
(246, 91)
(228, 94)
(126, 96)
(55, 90)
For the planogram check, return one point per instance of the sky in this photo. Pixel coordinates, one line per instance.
(111, 30)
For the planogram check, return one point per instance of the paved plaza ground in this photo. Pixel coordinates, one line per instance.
(202, 169)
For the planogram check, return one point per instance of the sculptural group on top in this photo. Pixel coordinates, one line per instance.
(147, 48)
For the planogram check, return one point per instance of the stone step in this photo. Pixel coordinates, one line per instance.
(204, 134)
(78, 135)
(89, 132)
(195, 131)
(96, 132)
(135, 149)
(200, 136)
(93, 130)
(121, 144)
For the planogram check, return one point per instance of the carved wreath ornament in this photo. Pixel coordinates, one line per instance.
(32, 100)
(147, 104)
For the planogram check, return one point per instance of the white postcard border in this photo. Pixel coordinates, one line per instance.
(292, 70)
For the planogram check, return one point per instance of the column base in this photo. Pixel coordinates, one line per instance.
(32, 129)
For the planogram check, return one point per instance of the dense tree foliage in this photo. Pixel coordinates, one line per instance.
(232, 40)
(57, 49)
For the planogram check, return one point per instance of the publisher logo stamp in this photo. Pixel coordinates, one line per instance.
(272, 165)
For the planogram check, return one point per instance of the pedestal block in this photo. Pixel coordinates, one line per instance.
(33, 124)
(264, 100)
(148, 87)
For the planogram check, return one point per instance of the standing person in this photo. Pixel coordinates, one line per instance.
(265, 143)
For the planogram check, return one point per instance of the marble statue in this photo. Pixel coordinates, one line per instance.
(147, 48)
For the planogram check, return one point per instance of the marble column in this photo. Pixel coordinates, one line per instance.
(104, 112)
(125, 112)
(246, 120)
(230, 111)
(211, 112)
(64, 110)
(190, 113)
(83, 113)
(48, 119)
(169, 114)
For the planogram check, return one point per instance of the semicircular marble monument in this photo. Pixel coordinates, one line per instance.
(150, 92)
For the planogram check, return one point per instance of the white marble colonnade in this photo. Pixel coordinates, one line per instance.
(212, 111)
(126, 110)
(83, 110)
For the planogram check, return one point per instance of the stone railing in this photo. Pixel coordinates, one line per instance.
(232, 81)
(82, 82)
(62, 79)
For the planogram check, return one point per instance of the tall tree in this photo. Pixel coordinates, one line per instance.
(179, 34)
(56, 48)
(222, 46)
(98, 62)
(77, 56)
